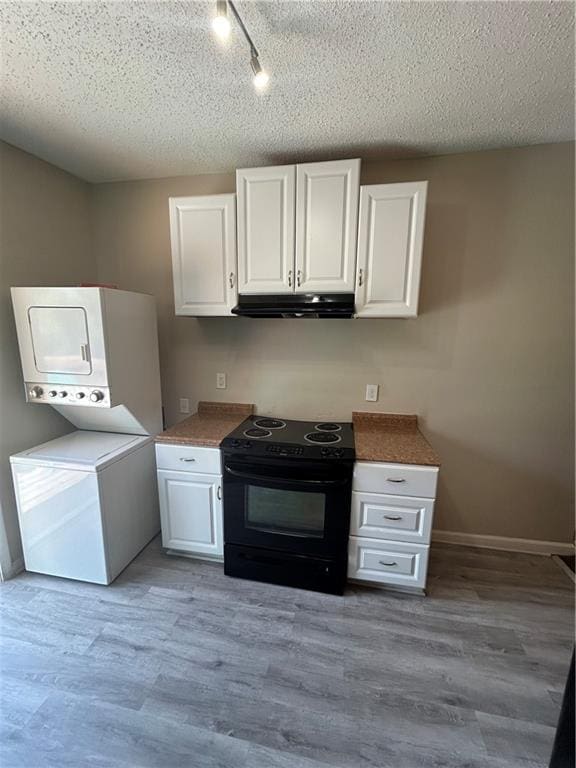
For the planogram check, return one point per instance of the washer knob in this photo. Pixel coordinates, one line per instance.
(80, 395)
(96, 396)
(36, 392)
(63, 393)
(52, 393)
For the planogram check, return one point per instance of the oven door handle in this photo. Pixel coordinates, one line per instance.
(283, 480)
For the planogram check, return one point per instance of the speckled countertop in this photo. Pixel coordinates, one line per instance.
(391, 438)
(209, 426)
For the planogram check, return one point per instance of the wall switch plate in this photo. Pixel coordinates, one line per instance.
(372, 392)
(184, 405)
(220, 381)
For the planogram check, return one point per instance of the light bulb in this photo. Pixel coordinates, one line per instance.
(261, 77)
(221, 26)
(261, 80)
(220, 23)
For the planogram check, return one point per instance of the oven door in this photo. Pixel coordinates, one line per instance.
(293, 506)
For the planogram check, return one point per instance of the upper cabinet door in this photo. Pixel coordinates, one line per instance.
(326, 226)
(203, 235)
(266, 229)
(390, 249)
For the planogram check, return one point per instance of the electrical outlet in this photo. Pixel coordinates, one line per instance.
(220, 381)
(184, 405)
(372, 392)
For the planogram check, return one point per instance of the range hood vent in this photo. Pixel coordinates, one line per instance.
(318, 305)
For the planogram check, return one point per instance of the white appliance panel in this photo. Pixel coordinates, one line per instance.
(60, 522)
(91, 353)
(89, 451)
(57, 328)
(87, 504)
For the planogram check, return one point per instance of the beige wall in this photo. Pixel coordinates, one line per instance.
(44, 240)
(487, 365)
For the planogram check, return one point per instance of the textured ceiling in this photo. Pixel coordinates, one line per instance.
(123, 90)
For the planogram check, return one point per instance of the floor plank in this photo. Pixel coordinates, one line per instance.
(176, 664)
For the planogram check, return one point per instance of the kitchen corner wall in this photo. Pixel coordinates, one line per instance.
(45, 239)
(488, 364)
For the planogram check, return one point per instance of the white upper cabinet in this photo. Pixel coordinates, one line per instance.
(390, 249)
(203, 236)
(326, 226)
(266, 198)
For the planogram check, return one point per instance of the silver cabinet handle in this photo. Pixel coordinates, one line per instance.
(219, 493)
(388, 565)
(289, 278)
(299, 277)
(392, 517)
(84, 352)
(231, 279)
(360, 278)
(395, 480)
(183, 459)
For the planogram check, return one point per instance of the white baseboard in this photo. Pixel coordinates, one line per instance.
(528, 546)
(14, 569)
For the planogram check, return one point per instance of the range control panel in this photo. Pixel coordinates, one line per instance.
(68, 394)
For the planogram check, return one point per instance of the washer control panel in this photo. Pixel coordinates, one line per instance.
(68, 394)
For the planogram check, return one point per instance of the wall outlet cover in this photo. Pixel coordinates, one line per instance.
(220, 381)
(184, 405)
(372, 392)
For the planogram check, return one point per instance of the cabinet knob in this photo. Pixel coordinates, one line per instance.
(289, 278)
(360, 278)
(299, 277)
(392, 517)
(231, 279)
(219, 493)
(387, 563)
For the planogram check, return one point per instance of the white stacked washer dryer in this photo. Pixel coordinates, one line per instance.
(87, 502)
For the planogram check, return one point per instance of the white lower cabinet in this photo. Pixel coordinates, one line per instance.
(390, 533)
(191, 507)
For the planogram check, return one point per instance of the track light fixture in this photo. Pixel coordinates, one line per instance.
(221, 27)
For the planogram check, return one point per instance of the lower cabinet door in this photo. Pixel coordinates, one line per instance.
(387, 562)
(191, 512)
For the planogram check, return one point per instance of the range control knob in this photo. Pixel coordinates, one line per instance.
(80, 395)
(63, 393)
(52, 393)
(96, 396)
(36, 392)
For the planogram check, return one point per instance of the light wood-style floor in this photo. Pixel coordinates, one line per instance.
(177, 665)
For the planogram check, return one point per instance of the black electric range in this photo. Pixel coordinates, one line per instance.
(279, 438)
(287, 495)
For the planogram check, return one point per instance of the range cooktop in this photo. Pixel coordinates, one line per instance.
(273, 437)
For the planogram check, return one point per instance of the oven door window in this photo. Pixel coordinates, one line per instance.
(292, 513)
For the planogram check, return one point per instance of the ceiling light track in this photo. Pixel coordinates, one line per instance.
(221, 26)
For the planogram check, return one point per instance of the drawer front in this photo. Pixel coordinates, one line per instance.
(387, 562)
(188, 458)
(396, 479)
(396, 518)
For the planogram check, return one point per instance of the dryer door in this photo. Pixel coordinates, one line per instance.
(60, 340)
(62, 337)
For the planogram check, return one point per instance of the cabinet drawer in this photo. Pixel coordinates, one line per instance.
(397, 518)
(188, 458)
(387, 562)
(397, 479)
